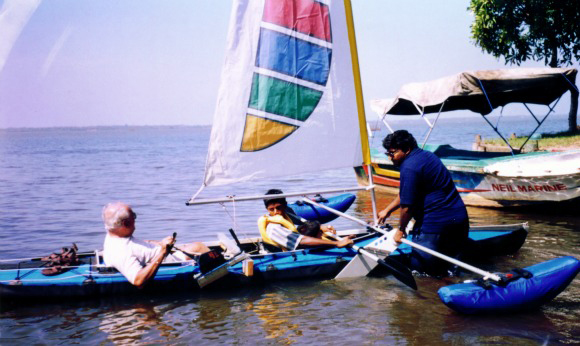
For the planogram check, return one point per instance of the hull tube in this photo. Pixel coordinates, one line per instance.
(548, 280)
(310, 212)
(90, 280)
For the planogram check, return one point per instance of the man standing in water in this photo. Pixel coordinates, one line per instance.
(428, 195)
(136, 259)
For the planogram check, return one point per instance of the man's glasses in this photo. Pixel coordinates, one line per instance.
(391, 153)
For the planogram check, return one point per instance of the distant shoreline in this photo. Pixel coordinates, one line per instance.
(560, 141)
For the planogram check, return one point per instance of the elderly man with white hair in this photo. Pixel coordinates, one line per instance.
(136, 259)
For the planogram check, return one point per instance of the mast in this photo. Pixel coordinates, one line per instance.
(366, 154)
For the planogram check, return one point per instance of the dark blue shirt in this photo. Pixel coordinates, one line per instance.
(427, 187)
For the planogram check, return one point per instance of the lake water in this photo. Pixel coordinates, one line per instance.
(54, 182)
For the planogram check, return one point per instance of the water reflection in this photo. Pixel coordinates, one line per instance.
(276, 313)
(129, 326)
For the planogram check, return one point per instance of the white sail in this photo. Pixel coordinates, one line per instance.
(287, 102)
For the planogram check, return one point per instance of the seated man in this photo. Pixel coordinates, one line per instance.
(277, 228)
(136, 259)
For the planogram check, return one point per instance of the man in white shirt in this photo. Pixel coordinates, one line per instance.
(136, 259)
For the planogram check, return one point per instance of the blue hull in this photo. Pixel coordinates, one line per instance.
(549, 279)
(88, 280)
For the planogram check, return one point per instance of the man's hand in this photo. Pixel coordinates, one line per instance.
(346, 241)
(384, 215)
(167, 243)
(328, 228)
(398, 235)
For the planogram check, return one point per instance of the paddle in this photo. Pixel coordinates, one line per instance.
(215, 273)
(399, 271)
(358, 265)
(469, 267)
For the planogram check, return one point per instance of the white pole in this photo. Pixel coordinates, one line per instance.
(251, 198)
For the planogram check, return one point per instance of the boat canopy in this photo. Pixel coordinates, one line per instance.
(480, 91)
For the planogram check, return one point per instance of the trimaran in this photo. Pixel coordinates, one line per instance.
(290, 90)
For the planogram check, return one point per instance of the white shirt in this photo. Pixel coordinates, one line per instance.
(130, 255)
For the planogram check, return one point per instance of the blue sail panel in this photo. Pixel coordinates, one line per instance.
(293, 57)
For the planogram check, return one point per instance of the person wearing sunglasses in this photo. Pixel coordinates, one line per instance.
(428, 195)
(136, 259)
(278, 227)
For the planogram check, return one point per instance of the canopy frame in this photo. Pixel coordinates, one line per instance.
(495, 128)
(422, 111)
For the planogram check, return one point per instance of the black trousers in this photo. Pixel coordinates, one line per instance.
(450, 241)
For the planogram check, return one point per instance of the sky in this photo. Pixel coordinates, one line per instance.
(149, 62)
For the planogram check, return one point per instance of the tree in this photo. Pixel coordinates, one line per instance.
(519, 30)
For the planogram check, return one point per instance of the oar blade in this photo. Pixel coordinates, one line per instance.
(399, 271)
(359, 266)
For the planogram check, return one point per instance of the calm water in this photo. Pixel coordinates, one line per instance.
(54, 182)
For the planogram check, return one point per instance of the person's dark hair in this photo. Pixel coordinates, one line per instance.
(310, 228)
(400, 139)
(280, 200)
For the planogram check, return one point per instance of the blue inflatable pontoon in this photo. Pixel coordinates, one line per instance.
(525, 290)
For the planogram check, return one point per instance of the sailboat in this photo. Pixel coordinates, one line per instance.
(290, 92)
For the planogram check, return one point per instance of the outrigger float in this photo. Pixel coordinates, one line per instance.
(488, 179)
(291, 81)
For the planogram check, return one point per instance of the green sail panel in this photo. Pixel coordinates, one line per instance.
(276, 96)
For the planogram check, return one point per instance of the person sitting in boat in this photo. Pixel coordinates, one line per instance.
(428, 195)
(278, 229)
(311, 229)
(136, 259)
(315, 230)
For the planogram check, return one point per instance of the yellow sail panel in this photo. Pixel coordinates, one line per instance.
(261, 133)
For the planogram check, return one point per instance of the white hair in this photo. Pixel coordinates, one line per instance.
(114, 214)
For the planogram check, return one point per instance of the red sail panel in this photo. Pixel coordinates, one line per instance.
(305, 16)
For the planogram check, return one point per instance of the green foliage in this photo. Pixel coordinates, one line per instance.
(519, 30)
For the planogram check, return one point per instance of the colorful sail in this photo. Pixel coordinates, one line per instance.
(286, 103)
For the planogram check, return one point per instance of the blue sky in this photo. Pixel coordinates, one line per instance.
(145, 62)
